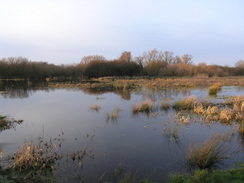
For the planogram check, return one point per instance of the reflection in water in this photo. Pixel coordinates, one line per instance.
(20, 89)
(125, 94)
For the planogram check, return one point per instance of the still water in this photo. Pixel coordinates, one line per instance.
(136, 142)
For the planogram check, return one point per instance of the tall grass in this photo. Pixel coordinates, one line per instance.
(209, 155)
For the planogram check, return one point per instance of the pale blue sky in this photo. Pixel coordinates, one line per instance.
(64, 31)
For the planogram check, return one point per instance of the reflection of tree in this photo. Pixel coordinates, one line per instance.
(20, 89)
(125, 94)
(163, 93)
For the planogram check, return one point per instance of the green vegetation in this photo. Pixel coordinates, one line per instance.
(233, 175)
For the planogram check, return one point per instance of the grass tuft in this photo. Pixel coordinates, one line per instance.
(214, 89)
(209, 155)
(95, 107)
(145, 106)
(186, 103)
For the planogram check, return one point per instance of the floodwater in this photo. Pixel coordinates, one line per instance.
(139, 143)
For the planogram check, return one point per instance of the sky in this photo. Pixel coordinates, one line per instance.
(64, 31)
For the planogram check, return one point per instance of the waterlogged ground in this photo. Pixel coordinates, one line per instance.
(148, 146)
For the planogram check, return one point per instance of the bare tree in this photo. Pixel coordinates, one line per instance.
(240, 64)
(125, 56)
(186, 59)
(90, 58)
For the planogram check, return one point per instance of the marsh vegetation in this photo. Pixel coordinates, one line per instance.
(122, 130)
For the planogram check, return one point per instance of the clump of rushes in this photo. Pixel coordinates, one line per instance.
(145, 106)
(165, 104)
(95, 107)
(214, 89)
(225, 115)
(209, 155)
(186, 103)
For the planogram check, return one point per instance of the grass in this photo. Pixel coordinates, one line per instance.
(165, 104)
(214, 89)
(145, 106)
(186, 103)
(37, 162)
(134, 83)
(209, 155)
(233, 175)
(226, 112)
(95, 107)
(114, 115)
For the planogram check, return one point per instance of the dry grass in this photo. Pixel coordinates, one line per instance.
(95, 107)
(209, 155)
(132, 83)
(186, 103)
(214, 89)
(165, 104)
(145, 106)
(114, 115)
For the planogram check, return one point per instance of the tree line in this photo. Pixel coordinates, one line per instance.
(152, 63)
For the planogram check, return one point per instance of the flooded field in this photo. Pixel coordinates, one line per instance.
(114, 141)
